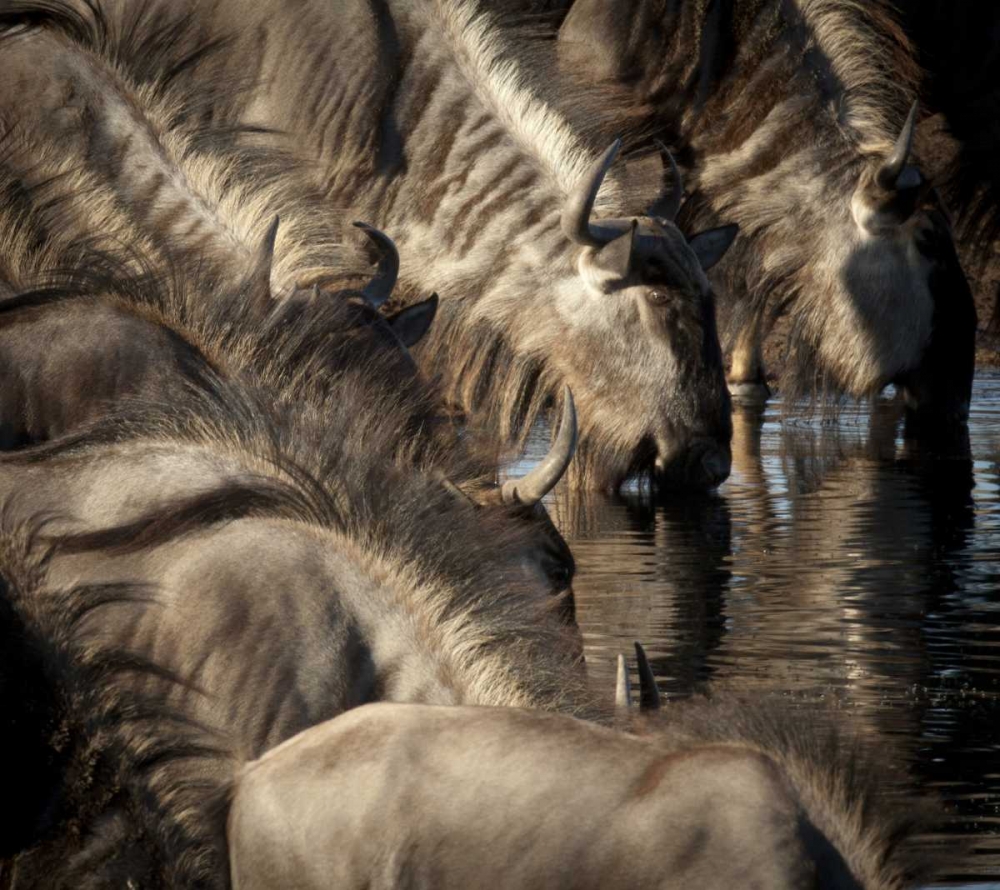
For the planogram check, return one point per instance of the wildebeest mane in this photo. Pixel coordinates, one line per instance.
(208, 192)
(118, 757)
(848, 791)
(335, 467)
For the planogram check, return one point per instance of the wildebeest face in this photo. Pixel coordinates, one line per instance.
(639, 344)
(645, 319)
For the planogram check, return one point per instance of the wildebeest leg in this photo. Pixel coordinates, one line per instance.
(746, 376)
(938, 392)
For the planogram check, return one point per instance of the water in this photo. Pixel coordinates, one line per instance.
(836, 566)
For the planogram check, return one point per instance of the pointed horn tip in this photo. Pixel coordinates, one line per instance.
(649, 690)
(623, 685)
(892, 168)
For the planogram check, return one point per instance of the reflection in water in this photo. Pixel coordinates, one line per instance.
(840, 565)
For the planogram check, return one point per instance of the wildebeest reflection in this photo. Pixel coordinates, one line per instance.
(652, 569)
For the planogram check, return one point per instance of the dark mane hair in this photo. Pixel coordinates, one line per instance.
(123, 778)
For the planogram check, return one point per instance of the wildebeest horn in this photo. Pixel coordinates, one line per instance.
(623, 686)
(580, 204)
(667, 205)
(530, 489)
(265, 257)
(379, 289)
(890, 171)
(649, 692)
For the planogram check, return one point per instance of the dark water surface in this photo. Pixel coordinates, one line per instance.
(836, 566)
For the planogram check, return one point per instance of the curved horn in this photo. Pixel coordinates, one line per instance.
(261, 275)
(649, 692)
(623, 686)
(379, 289)
(889, 173)
(580, 204)
(530, 489)
(667, 205)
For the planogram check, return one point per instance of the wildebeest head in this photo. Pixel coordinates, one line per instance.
(547, 559)
(401, 330)
(645, 319)
(906, 248)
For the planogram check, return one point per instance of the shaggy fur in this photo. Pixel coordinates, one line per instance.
(782, 111)
(848, 790)
(476, 214)
(71, 702)
(133, 171)
(335, 470)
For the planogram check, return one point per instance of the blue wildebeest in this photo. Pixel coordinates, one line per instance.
(78, 738)
(792, 119)
(721, 794)
(418, 796)
(299, 570)
(495, 216)
(114, 161)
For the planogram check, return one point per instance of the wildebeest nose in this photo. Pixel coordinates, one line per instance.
(716, 464)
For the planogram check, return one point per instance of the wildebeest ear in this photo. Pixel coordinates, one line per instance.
(595, 36)
(711, 245)
(410, 324)
(616, 256)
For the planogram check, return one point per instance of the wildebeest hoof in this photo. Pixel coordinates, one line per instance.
(750, 392)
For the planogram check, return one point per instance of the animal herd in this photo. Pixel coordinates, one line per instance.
(283, 284)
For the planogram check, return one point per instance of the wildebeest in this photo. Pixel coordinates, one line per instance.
(283, 528)
(792, 120)
(283, 599)
(113, 164)
(496, 218)
(720, 794)
(154, 799)
(79, 739)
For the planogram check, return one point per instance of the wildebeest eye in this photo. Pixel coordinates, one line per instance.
(657, 297)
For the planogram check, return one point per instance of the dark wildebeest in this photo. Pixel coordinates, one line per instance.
(792, 120)
(958, 48)
(78, 738)
(496, 216)
(96, 332)
(284, 528)
(124, 175)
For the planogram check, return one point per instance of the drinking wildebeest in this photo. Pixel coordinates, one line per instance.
(297, 531)
(721, 794)
(792, 120)
(496, 218)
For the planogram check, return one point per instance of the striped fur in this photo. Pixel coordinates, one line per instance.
(127, 174)
(422, 118)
